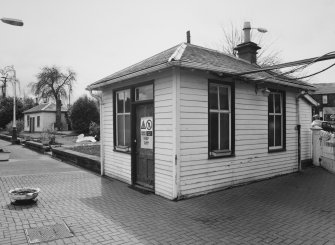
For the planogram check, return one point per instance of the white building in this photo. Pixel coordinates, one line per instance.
(43, 117)
(187, 122)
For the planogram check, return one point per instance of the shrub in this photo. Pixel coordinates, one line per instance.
(48, 137)
(19, 127)
(83, 112)
(94, 130)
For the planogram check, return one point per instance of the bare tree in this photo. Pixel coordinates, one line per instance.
(233, 36)
(51, 82)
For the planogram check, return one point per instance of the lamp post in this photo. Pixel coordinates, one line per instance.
(14, 22)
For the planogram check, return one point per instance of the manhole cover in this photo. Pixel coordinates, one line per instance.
(48, 233)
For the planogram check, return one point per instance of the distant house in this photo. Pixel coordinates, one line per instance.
(325, 96)
(43, 117)
(189, 121)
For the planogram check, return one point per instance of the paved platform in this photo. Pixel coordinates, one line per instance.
(293, 209)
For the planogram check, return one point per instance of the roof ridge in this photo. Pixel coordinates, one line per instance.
(223, 53)
(178, 53)
(46, 106)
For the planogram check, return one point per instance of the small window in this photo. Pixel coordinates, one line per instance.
(28, 120)
(276, 121)
(220, 120)
(324, 99)
(38, 121)
(123, 120)
(144, 93)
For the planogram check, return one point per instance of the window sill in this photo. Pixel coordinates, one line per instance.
(121, 149)
(213, 155)
(276, 150)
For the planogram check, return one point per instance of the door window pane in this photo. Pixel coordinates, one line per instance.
(144, 93)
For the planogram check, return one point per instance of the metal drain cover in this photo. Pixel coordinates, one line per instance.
(48, 233)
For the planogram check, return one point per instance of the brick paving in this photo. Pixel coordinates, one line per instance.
(293, 209)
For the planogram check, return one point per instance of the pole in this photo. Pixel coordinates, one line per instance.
(14, 134)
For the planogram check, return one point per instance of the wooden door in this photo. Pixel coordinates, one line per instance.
(144, 155)
(32, 124)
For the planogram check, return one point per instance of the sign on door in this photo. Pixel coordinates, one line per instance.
(146, 133)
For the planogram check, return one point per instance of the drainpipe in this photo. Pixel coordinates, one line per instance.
(299, 128)
(98, 97)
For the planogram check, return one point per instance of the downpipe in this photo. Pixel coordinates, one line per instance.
(298, 127)
(98, 97)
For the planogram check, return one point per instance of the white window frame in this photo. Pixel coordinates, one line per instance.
(324, 99)
(274, 114)
(221, 152)
(123, 114)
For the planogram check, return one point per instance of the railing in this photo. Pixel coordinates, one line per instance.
(323, 149)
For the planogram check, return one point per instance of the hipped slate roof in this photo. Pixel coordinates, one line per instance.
(324, 88)
(45, 107)
(196, 57)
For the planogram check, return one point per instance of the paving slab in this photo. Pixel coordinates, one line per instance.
(293, 209)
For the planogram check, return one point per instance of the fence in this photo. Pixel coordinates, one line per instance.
(323, 149)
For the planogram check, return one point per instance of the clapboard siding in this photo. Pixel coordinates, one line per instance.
(252, 161)
(306, 135)
(163, 135)
(117, 164)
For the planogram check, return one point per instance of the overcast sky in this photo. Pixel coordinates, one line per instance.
(98, 38)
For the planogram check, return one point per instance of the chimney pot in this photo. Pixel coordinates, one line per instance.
(188, 36)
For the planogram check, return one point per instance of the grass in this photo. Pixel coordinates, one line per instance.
(87, 149)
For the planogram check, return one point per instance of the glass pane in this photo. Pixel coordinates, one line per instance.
(144, 92)
(271, 130)
(120, 131)
(270, 103)
(213, 97)
(278, 131)
(214, 131)
(127, 130)
(277, 103)
(119, 102)
(224, 131)
(127, 100)
(224, 99)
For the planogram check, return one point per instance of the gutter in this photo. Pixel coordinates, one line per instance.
(98, 97)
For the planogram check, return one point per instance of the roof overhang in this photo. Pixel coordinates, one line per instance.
(204, 67)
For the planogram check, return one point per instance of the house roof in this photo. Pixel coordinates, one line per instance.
(324, 88)
(196, 57)
(45, 107)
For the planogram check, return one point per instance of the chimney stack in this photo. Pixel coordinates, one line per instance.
(247, 50)
(188, 36)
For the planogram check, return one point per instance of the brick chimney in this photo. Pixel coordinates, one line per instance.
(247, 50)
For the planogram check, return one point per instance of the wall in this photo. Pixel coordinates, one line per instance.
(118, 164)
(47, 120)
(305, 110)
(252, 161)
